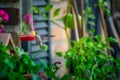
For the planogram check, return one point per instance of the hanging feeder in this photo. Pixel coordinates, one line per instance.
(27, 37)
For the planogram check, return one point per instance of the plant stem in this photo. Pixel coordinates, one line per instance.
(104, 26)
(68, 38)
(93, 70)
(56, 24)
(66, 32)
(82, 18)
(75, 26)
(77, 17)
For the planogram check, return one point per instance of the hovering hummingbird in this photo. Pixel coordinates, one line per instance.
(39, 40)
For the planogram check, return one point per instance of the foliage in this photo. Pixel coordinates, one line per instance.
(44, 47)
(13, 67)
(89, 61)
(87, 57)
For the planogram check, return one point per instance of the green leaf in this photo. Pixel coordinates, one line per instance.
(98, 37)
(15, 76)
(110, 58)
(43, 64)
(56, 12)
(68, 63)
(92, 31)
(105, 3)
(110, 39)
(49, 72)
(91, 23)
(108, 12)
(44, 47)
(59, 54)
(91, 16)
(69, 21)
(36, 10)
(81, 41)
(88, 10)
(48, 8)
(100, 1)
(10, 65)
(110, 48)
(19, 51)
(102, 56)
(32, 63)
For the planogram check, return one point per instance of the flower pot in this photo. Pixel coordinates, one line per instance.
(27, 37)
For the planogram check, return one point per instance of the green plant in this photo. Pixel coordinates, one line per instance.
(87, 56)
(19, 66)
(89, 61)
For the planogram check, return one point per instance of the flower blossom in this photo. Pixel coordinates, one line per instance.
(57, 62)
(27, 18)
(3, 16)
(0, 30)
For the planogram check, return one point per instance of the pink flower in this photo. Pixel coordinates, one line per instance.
(27, 18)
(1, 12)
(4, 15)
(1, 19)
(32, 28)
(0, 30)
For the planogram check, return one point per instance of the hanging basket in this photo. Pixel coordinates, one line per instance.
(27, 37)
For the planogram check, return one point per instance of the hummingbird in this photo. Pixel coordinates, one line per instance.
(39, 40)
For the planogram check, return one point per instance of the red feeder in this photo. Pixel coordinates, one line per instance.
(27, 37)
